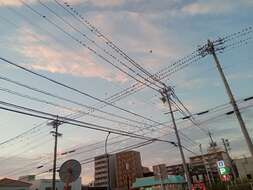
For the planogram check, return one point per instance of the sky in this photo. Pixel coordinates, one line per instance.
(155, 34)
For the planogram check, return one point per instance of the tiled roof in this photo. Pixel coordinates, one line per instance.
(6, 182)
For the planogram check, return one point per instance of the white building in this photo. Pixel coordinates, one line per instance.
(244, 167)
(46, 184)
(10, 184)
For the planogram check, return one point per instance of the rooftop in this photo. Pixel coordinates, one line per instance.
(6, 182)
(151, 181)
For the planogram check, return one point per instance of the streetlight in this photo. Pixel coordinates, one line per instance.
(108, 163)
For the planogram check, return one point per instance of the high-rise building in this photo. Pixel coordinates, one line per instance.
(128, 168)
(101, 170)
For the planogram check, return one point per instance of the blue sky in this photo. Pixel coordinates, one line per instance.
(153, 33)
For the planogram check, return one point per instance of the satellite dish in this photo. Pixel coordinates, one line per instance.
(70, 171)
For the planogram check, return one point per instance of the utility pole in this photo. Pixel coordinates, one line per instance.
(55, 134)
(204, 162)
(212, 143)
(213, 146)
(166, 96)
(210, 49)
(226, 146)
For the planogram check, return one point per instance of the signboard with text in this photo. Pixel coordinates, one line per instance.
(224, 171)
(221, 164)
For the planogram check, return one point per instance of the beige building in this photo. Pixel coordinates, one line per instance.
(176, 169)
(210, 159)
(244, 167)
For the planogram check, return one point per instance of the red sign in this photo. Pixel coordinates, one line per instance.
(198, 186)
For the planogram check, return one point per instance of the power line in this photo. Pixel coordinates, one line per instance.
(246, 99)
(49, 116)
(91, 159)
(72, 88)
(210, 48)
(79, 111)
(64, 107)
(208, 120)
(90, 108)
(20, 135)
(83, 44)
(192, 119)
(61, 98)
(34, 146)
(52, 80)
(105, 51)
(72, 11)
(172, 64)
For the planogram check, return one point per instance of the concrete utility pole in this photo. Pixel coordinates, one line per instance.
(210, 49)
(225, 143)
(212, 143)
(55, 133)
(204, 162)
(166, 93)
(213, 146)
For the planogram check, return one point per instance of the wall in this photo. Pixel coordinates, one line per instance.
(42, 184)
(244, 167)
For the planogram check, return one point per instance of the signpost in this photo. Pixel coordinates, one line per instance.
(223, 170)
(221, 164)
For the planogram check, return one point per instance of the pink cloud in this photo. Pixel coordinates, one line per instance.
(18, 3)
(105, 3)
(77, 63)
(11, 3)
(215, 6)
(143, 37)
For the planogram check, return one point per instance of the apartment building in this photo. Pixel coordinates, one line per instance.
(102, 164)
(128, 168)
